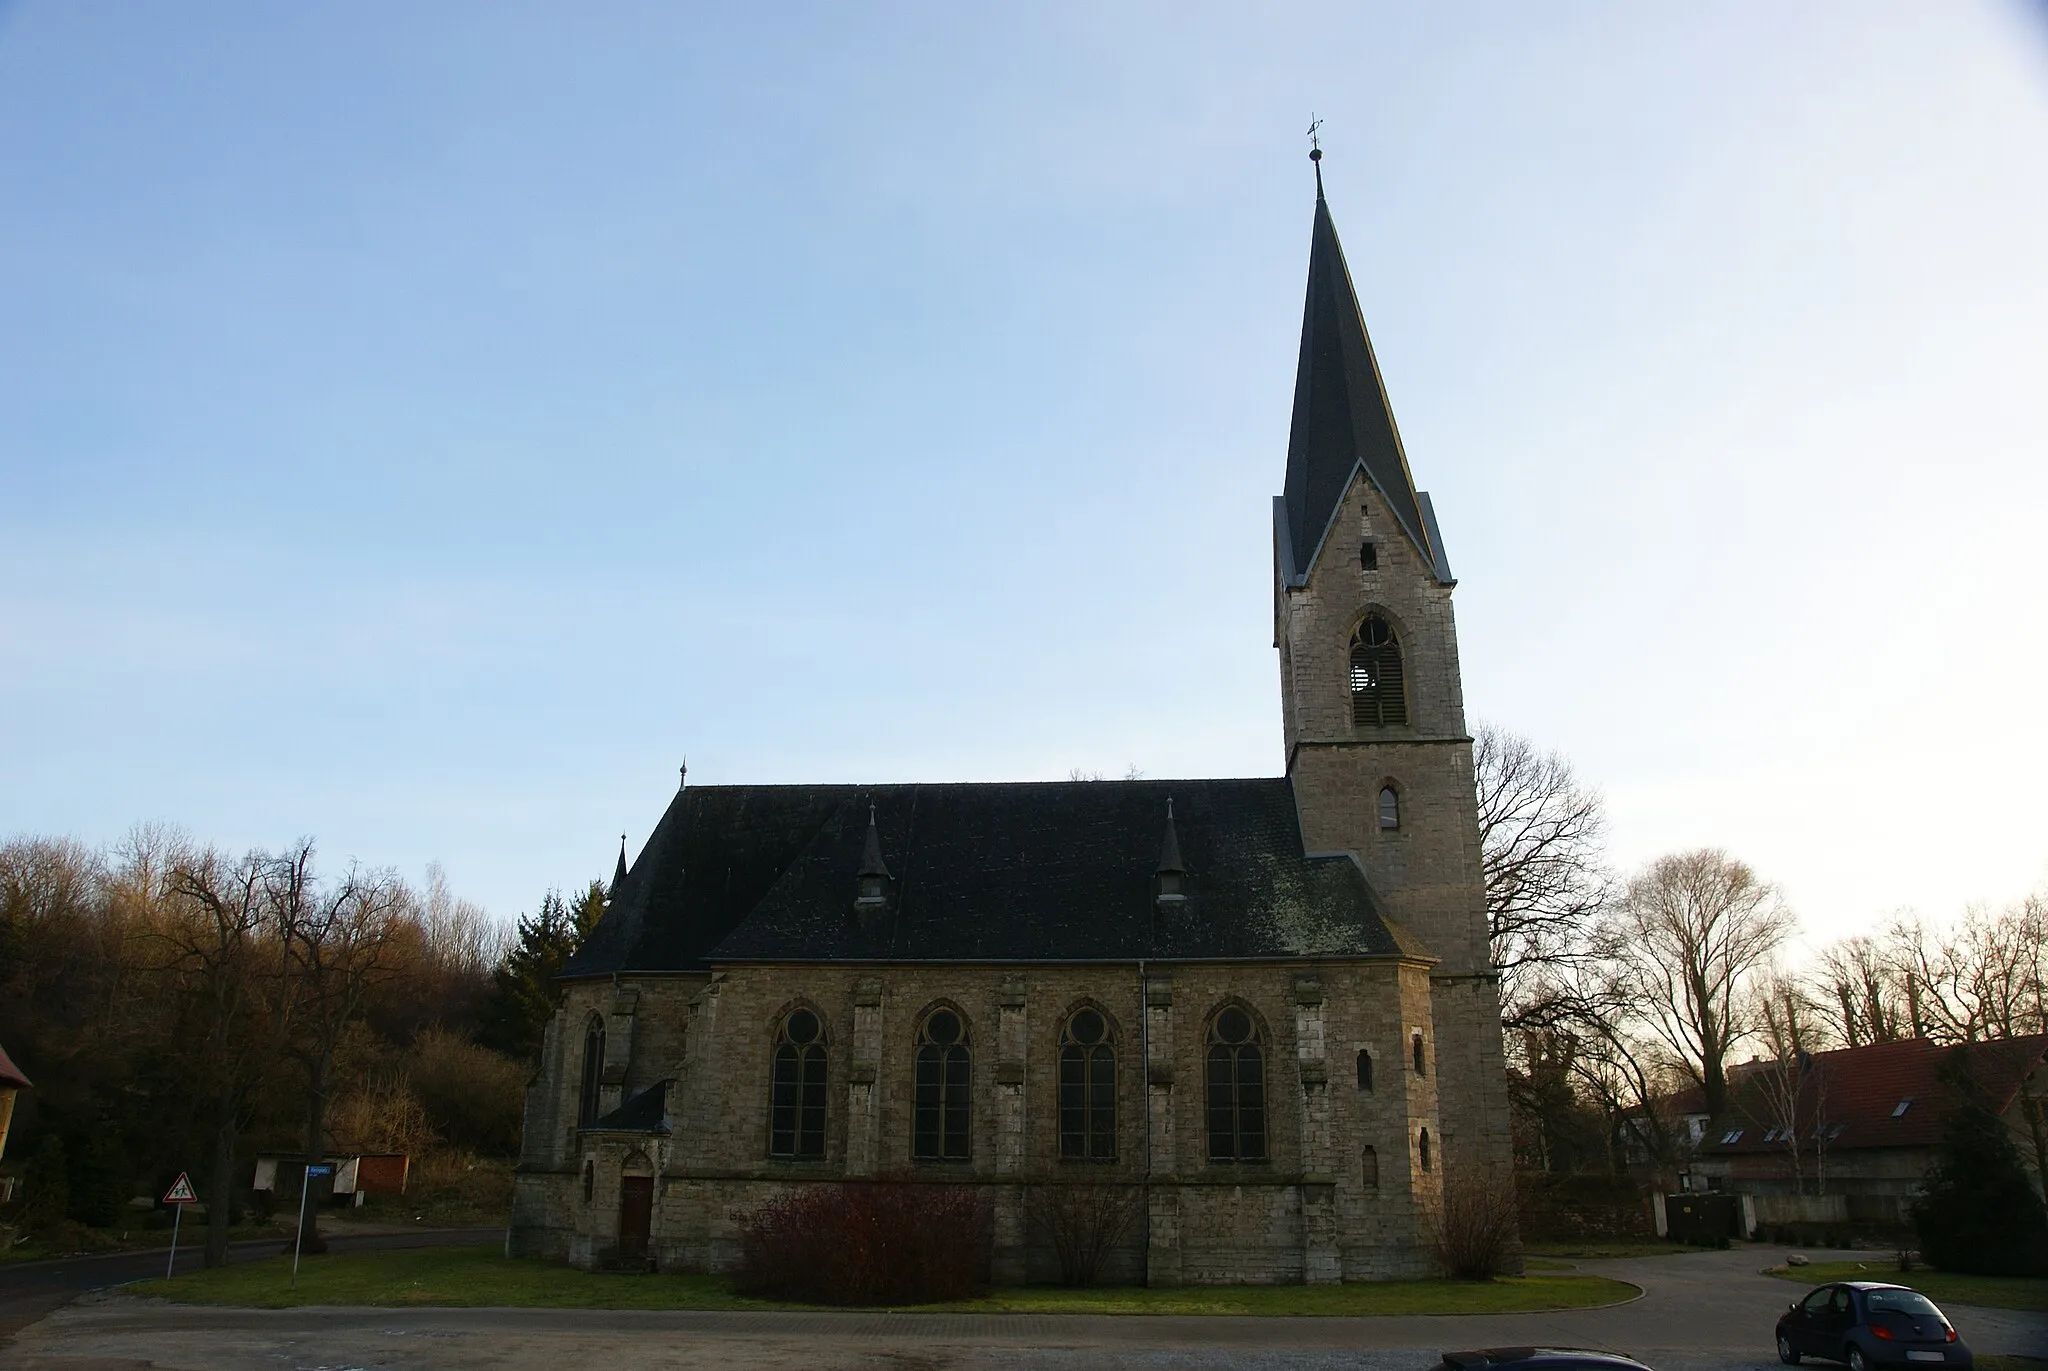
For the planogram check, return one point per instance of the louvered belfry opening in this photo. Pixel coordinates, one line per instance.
(1379, 694)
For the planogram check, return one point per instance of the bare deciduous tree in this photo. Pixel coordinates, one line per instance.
(1690, 933)
(1541, 836)
(1861, 991)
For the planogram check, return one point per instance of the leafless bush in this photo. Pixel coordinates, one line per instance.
(1473, 1225)
(1083, 1222)
(872, 1242)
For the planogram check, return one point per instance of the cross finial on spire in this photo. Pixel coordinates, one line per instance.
(683, 774)
(1315, 151)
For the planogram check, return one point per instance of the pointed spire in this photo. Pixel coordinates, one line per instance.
(619, 876)
(1342, 419)
(871, 863)
(1169, 850)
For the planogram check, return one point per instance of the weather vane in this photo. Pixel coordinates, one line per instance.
(1315, 145)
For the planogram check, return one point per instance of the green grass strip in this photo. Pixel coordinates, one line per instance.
(1995, 1292)
(479, 1277)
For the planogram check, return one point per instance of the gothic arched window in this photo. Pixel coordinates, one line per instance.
(941, 1111)
(796, 1100)
(1237, 1089)
(1422, 1149)
(1390, 808)
(593, 1072)
(1087, 1089)
(1379, 696)
(1364, 1069)
(1415, 1048)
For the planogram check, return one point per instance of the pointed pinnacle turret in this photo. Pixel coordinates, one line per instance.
(1169, 850)
(619, 875)
(1342, 420)
(871, 863)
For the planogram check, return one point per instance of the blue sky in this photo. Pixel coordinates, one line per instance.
(424, 426)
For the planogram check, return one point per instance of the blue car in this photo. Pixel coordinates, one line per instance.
(1870, 1324)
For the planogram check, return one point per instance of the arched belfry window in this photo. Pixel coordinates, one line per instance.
(939, 1131)
(1379, 694)
(593, 1072)
(1087, 1089)
(796, 1100)
(1237, 1089)
(1390, 808)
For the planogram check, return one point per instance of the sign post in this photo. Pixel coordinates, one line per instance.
(180, 1195)
(305, 1189)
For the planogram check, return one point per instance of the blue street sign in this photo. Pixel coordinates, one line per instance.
(320, 1169)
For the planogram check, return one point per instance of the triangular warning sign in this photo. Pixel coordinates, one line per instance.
(181, 1192)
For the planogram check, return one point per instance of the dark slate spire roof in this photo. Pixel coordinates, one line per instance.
(619, 876)
(1342, 420)
(1169, 850)
(1052, 871)
(871, 863)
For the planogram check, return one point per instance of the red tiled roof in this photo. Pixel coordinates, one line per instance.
(1860, 1089)
(10, 1074)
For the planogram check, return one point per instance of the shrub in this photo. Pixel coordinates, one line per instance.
(1978, 1212)
(473, 1096)
(1474, 1225)
(870, 1242)
(1082, 1222)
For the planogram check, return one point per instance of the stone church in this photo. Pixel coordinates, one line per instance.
(1265, 1004)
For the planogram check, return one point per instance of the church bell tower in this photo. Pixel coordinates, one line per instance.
(1373, 711)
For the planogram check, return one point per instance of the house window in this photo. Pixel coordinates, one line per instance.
(1087, 1089)
(1372, 1167)
(593, 1072)
(1415, 1050)
(1390, 808)
(940, 1124)
(1364, 1069)
(1237, 1089)
(1733, 1135)
(1379, 697)
(1422, 1149)
(1904, 1105)
(796, 1099)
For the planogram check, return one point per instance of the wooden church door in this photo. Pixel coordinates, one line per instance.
(636, 1209)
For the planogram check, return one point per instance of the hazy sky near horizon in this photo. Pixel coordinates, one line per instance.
(421, 427)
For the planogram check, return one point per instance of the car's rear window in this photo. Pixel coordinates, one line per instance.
(1909, 1302)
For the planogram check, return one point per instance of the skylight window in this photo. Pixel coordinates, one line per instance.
(1732, 1135)
(1903, 1106)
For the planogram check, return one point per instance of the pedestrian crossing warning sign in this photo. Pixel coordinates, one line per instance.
(181, 1192)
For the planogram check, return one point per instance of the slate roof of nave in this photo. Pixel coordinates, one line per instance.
(1027, 871)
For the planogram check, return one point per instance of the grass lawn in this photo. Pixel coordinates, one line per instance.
(1998, 1292)
(1594, 1251)
(2011, 1364)
(472, 1276)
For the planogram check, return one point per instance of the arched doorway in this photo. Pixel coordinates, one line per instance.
(636, 1207)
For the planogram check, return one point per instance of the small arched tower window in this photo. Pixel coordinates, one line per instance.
(1237, 1089)
(589, 1180)
(939, 1131)
(1379, 695)
(796, 1100)
(1364, 1069)
(1415, 1047)
(1390, 808)
(1087, 1089)
(593, 1072)
(1422, 1149)
(1372, 1167)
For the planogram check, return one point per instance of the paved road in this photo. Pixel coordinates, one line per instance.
(30, 1290)
(1707, 1311)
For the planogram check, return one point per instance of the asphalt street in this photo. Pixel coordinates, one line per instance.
(1708, 1311)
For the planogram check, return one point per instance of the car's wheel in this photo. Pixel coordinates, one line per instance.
(1855, 1359)
(1786, 1352)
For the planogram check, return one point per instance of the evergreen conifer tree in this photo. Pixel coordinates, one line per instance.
(1977, 1211)
(515, 1018)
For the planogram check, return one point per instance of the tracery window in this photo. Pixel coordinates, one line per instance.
(1087, 1089)
(1379, 695)
(593, 1073)
(1237, 1089)
(796, 1099)
(939, 1130)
